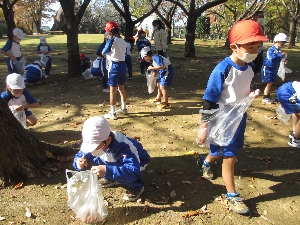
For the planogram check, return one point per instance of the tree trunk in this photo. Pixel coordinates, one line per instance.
(169, 34)
(128, 28)
(74, 68)
(292, 32)
(10, 22)
(21, 153)
(38, 25)
(190, 36)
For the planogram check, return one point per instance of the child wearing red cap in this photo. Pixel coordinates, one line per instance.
(142, 42)
(229, 83)
(115, 51)
(85, 62)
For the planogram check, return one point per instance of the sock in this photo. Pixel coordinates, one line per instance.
(112, 109)
(123, 105)
(231, 194)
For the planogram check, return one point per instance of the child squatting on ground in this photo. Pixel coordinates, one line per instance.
(164, 68)
(229, 83)
(19, 99)
(34, 72)
(288, 95)
(271, 64)
(119, 159)
(115, 50)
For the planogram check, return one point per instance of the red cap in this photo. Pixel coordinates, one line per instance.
(110, 25)
(81, 56)
(131, 39)
(140, 32)
(246, 31)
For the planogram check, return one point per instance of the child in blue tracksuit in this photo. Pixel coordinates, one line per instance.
(115, 50)
(270, 65)
(44, 48)
(34, 72)
(100, 63)
(19, 99)
(128, 61)
(288, 95)
(142, 42)
(12, 49)
(164, 68)
(119, 159)
(85, 62)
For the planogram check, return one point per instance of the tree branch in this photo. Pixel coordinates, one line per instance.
(176, 2)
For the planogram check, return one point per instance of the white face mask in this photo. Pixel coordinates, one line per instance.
(155, 28)
(247, 57)
(98, 152)
(260, 20)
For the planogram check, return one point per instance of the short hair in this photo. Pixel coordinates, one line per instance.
(114, 31)
(149, 53)
(258, 12)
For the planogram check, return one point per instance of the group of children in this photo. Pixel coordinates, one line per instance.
(120, 159)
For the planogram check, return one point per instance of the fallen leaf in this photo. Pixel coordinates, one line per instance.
(2, 218)
(28, 213)
(169, 184)
(190, 152)
(149, 171)
(19, 185)
(251, 178)
(179, 173)
(49, 155)
(186, 182)
(171, 170)
(173, 194)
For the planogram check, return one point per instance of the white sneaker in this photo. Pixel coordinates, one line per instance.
(105, 90)
(122, 111)
(267, 100)
(110, 116)
(46, 76)
(294, 142)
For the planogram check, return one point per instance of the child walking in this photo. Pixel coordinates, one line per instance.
(142, 42)
(115, 50)
(128, 61)
(164, 68)
(229, 83)
(119, 159)
(34, 72)
(101, 69)
(44, 49)
(271, 64)
(19, 99)
(15, 61)
(288, 95)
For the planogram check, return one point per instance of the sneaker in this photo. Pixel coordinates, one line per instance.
(133, 195)
(122, 111)
(237, 205)
(106, 90)
(267, 100)
(110, 116)
(163, 105)
(46, 76)
(107, 183)
(206, 170)
(155, 100)
(291, 135)
(130, 78)
(294, 142)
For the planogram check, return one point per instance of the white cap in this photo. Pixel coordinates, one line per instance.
(280, 37)
(18, 33)
(144, 51)
(95, 130)
(38, 62)
(15, 81)
(43, 40)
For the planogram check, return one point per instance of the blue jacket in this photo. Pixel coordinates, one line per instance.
(272, 59)
(34, 73)
(124, 159)
(141, 43)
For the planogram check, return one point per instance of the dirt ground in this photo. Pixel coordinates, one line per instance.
(267, 170)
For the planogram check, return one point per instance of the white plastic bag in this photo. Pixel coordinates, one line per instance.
(87, 74)
(151, 82)
(281, 115)
(223, 122)
(282, 70)
(44, 59)
(20, 116)
(20, 65)
(85, 197)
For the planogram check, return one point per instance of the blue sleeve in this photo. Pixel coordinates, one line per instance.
(274, 56)
(215, 82)
(49, 49)
(88, 156)
(100, 49)
(38, 48)
(138, 45)
(143, 154)
(5, 96)
(149, 43)
(108, 45)
(29, 98)
(158, 60)
(7, 46)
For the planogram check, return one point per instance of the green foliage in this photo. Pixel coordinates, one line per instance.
(202, 27)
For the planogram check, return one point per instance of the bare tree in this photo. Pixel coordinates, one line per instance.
(73, 12)
(193, 12)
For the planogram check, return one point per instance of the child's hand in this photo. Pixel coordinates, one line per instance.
(99, 170)
(13, 58)
(19, 108)
(286, 61)
(150, 68)
(81, 162)
(255, 93)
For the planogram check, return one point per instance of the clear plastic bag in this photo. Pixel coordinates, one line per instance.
(281, 115)
(85, 197)
(20, 116)
(282, 70)
(44, 59)
(151, 82)
(87, 74)
(20, 65)
(222, 124)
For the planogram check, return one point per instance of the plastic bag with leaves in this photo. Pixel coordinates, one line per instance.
(19, 65)
(85, 197)
(87, 74)
(44, 59)
(281, 115)
(283, 69)
(222, 123)
(151, 82)
(20, 116)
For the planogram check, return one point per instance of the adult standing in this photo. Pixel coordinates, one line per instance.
(160, 38)
(259, 18)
